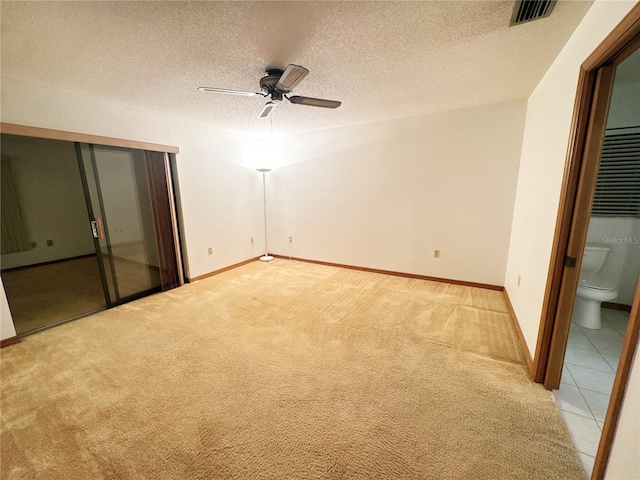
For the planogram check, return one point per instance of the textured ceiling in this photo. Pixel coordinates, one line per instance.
(381, 59)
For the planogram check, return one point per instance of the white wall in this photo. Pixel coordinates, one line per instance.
(49, 189)
(386, 195)
(544, 149)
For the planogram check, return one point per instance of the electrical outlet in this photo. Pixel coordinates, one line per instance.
(49, 243)
(436, 254)
(34, 244)
(290, 239)
(252, 241)
(210, 251)
(519, 277)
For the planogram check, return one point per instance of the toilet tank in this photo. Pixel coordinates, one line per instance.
(593, 258)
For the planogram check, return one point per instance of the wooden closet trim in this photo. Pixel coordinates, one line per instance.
(26, 131)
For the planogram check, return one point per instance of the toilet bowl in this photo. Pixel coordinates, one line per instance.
(593, 289)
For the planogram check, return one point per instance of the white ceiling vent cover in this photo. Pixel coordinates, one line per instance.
(527, 10)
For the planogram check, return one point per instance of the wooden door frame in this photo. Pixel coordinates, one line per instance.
(581, 213)
(587, 131)
(28, 131)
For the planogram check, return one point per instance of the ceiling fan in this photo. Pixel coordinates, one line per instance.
(276, 84)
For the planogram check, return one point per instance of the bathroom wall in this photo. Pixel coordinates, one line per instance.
(625, 101)
(622, 236)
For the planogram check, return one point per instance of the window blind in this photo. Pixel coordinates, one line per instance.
(618, 186)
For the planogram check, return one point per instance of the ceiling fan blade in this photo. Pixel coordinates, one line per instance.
(266, 110)
(230, 92)
(291, 77)
(314, 102)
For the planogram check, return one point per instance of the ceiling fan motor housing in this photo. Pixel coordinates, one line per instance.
(268, 84)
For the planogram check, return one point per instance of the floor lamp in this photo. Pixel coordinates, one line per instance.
(266, 257)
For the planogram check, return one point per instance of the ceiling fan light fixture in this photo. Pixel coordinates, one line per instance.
(291, 77)
(266, 110)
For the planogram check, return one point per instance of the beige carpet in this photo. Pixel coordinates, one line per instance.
(283, 371)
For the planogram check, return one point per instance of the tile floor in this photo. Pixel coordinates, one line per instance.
(587, 379)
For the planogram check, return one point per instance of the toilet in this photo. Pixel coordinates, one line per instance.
(593, 288)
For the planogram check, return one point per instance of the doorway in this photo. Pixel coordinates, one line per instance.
(609, 271)
(84, 227)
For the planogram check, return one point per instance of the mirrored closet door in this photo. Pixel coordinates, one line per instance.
(84, 227)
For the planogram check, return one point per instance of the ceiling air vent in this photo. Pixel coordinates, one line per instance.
(527, 10)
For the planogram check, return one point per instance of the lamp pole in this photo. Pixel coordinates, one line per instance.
(266, 257)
